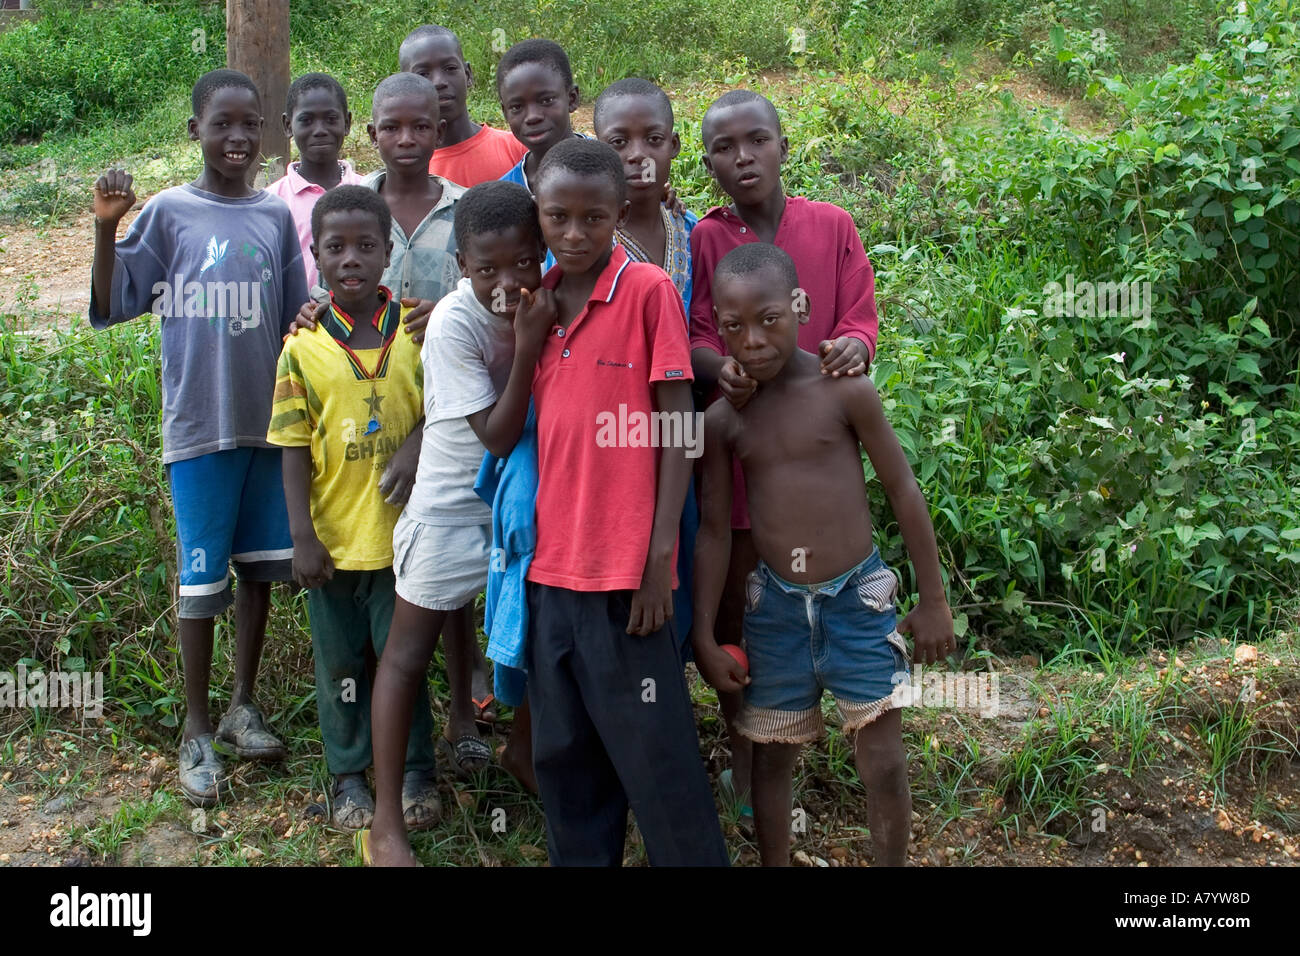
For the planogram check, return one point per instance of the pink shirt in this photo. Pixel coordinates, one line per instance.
(833, 270)
(301, 197)
(827, 251)
(598, 467)
(488, 154)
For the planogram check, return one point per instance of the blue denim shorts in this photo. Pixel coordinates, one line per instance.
(803, 639)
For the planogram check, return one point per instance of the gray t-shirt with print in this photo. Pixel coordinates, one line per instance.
(226, 278)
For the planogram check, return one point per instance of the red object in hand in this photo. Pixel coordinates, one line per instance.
(737, 653)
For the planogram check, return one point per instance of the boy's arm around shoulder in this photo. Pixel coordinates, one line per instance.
(930, 622)
(713, 549)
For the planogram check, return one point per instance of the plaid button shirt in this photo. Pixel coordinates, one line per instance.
(423, 265)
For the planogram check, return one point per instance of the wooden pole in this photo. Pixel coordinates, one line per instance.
(257, 43)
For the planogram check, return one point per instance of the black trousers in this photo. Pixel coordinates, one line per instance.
(613, 727)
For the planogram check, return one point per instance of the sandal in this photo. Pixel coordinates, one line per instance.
(484, 712)
(421, 808)
(244, 729)
(201, 771)
(466, 755)
(354, 807)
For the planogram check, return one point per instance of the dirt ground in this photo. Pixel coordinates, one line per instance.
(1165, 816)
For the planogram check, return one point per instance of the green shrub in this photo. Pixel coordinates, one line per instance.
(81, 64)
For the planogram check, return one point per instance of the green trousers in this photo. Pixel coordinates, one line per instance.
(350, 612)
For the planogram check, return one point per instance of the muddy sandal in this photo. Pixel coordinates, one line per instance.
(421, 808)
(467, 755)
(354, 807)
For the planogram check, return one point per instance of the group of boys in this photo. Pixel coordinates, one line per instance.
(545, 281)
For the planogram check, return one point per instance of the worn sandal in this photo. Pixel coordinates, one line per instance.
(467, 755)
(201, 771)
(354, 807)
(484, 712)
(244, 730)
(421, 808)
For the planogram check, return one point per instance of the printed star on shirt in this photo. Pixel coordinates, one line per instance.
(375, 401)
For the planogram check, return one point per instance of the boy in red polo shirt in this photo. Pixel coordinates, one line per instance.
(612, 720)
(744, 149)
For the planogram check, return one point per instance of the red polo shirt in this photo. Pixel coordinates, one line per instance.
(598, 473)
(827, 251)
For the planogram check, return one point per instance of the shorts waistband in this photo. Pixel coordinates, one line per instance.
(871, 562)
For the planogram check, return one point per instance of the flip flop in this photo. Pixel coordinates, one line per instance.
(362, 844)
(467, 755)
(484, 713)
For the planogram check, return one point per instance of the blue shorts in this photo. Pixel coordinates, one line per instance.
(802, 639)
(229, 511)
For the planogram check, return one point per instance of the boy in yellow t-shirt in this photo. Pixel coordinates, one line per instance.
(348, 409)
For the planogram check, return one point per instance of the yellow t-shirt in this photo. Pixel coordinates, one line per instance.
(326, 398)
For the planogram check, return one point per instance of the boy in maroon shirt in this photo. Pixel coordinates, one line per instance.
(612, 720)
(744, 149)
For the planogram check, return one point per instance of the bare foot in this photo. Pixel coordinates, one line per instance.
(518, 764)
(391, 848)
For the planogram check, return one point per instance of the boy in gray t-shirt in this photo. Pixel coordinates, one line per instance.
(220, 264)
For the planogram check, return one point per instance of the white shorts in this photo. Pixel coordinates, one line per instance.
(440, 568)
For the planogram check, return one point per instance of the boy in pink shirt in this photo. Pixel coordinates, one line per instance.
(469, 153)
(316, 116)
(744, 149)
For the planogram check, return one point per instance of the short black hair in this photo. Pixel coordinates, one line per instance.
(739, 98)
(632, 86)
(753, 257)
(314, 81)
(495, 206)
(546, 52)
(402, 84)
(428, 31)
(214, 80)
(586, 157)
(346, 199)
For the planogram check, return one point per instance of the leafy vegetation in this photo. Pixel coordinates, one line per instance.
(1108, 470)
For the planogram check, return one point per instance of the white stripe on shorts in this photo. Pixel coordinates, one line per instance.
(199, 590)
(283, 554)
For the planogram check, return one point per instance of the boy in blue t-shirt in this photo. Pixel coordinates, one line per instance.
(220, 264)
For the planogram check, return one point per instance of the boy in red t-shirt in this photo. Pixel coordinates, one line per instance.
(744, 149)
(469, 153)
(612, 719)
